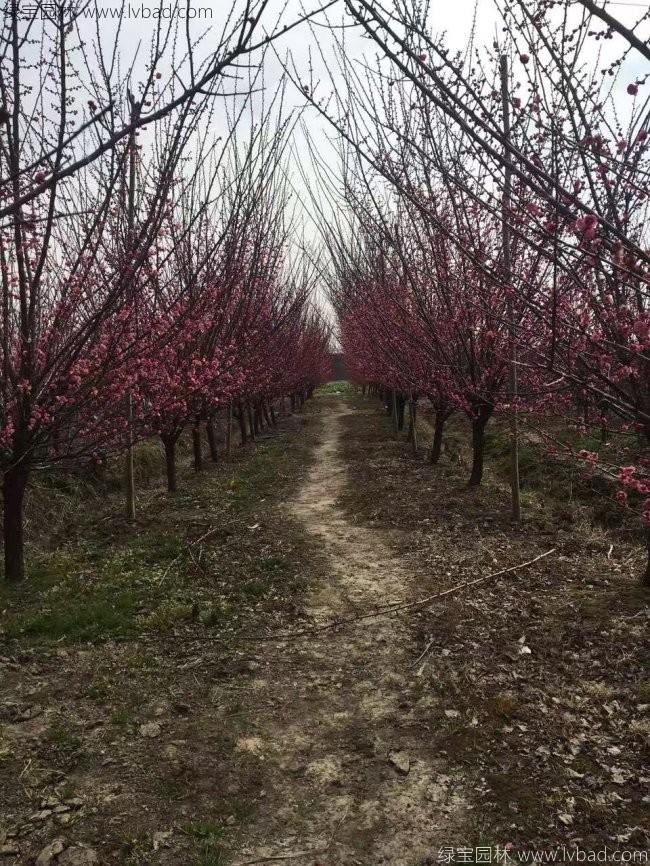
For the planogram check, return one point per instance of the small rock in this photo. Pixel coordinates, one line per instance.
(452, 714)
(566, 819)
(401, 762)
(8, 849)
(78, 856)
(50, 851)
(230, 820)
(150, 729)
(28, 713)
(161, 839)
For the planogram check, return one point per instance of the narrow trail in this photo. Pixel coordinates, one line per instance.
(343, 733)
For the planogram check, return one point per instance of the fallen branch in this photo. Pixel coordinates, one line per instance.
(277, 857)
(387, 610)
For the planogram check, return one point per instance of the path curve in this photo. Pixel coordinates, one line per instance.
(354, 779)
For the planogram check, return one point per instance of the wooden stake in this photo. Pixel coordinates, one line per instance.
(129, 472)
(507, 268)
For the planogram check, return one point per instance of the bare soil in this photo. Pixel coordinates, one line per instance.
(173, 694)
(357, 783)
(545, 668)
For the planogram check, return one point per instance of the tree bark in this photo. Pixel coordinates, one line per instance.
(241, 418)
(196, 447)
(478, 446)
(169, 444)
(645, 580)
(413, 430)
(13, 492)
(229, 429)
(436, 446)
(274, 420)
(129, 469)
(251, 422)
(393, 408)
(212, 440)
(400, 412)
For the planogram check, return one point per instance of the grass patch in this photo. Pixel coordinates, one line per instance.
(121, 717)
(75, 617)
(208, 837)
(111, 580)
(120, 623)
(169, 614)
(206, 830)
(341, 386)
(64, 748)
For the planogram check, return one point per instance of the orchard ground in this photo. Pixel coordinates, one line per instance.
(173, 693)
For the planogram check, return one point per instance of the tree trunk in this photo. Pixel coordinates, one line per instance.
(13, 492)
(436, 447)
(645, 580)
(212, 440)
(196, 447)
(293, 403)
(478, 447)
(129, 469)
(274, 420)
(229, 430)
(400, 412)
(251, 422)
(169, 443)
(241, 418)
(413, 430)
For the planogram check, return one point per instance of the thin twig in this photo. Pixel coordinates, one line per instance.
(387, 610)
(295, 856)
(425, 651)
(189, 545)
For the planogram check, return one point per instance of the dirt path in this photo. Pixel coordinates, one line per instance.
(343, 736)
